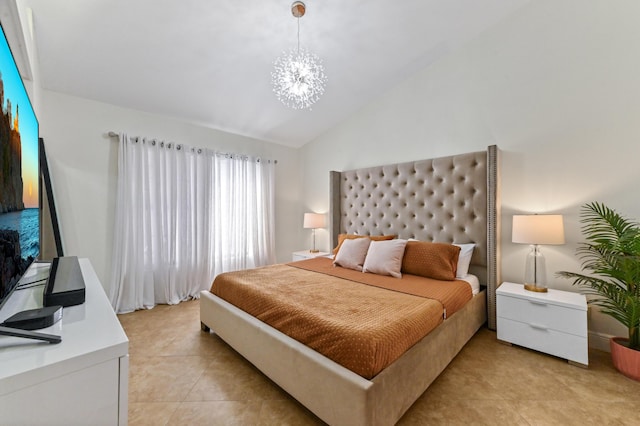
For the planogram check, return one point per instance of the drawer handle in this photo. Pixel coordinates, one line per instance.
(538, 326)
(535, 302)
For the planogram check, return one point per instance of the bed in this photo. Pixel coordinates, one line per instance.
(451, 199)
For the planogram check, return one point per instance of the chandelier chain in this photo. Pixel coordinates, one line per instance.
(298, 35)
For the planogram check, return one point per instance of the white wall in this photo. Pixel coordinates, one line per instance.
(83, 164)
(556, 86)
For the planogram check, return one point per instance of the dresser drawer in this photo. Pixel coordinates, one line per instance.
(563, 345)
(542, 314)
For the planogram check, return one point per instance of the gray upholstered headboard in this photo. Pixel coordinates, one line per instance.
(449, 199)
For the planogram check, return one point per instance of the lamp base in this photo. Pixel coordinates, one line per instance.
(314, 251)
(535, 288)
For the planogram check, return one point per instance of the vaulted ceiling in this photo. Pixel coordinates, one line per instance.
(209, 62)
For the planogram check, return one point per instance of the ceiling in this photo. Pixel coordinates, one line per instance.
(209, 62)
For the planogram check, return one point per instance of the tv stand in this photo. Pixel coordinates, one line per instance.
(16, 332)
(81, 380)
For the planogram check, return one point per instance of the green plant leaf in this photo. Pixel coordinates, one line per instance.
(611, 261)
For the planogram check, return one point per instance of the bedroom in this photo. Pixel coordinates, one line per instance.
(553, 84)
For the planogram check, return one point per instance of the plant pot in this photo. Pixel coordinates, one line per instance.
(625, 360)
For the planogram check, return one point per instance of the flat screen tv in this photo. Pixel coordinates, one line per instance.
(19, 176)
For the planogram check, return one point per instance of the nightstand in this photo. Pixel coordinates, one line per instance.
(554, 322)
(306, 254)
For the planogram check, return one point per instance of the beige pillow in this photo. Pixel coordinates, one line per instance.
(352, 253)
(432, 260)
(385, 257)
(342, 237)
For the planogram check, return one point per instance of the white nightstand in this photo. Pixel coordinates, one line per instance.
(306, 254)
(554, 322)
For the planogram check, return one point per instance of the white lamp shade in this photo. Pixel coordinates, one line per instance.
(314, 220)
(538, 229)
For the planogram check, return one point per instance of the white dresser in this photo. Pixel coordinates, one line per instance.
(81, 381)
(554, 322)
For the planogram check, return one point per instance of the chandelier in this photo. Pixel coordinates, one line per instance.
(298, 77)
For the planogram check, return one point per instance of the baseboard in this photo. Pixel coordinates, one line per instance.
(599, 341)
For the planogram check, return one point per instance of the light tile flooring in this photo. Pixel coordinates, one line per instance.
(182, 376)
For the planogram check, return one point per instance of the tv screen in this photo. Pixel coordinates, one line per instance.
(19, 173)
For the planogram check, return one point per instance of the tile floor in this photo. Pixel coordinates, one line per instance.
(182, 376)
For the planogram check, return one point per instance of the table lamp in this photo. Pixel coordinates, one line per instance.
(313, 221)
(537, 229)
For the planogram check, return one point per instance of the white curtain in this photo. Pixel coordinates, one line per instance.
(184, 215)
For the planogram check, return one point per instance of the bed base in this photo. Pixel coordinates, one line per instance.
(333, 393)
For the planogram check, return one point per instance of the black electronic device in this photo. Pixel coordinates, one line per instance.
(35, 319)
(65, 286)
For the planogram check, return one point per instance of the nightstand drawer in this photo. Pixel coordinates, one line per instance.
(543, 314)
(534, 336)
(295, 257)
(307, 254)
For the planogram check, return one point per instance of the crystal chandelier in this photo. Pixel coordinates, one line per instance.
(298, 77)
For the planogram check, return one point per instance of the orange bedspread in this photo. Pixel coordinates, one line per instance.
(452, 294)
(361, 327)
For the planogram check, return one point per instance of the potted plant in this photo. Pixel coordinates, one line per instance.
(611, 258)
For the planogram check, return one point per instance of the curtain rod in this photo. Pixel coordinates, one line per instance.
(113, 134)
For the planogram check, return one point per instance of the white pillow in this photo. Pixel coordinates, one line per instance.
(385, 257)
(464, 259)
(352, 253)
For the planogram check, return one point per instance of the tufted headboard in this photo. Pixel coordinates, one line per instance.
(451, 199)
